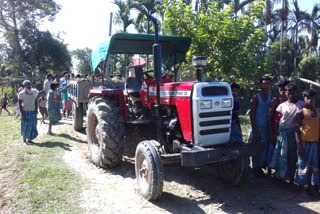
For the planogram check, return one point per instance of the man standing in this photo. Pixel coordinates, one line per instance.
(29, 110)
(259, 109)
(46, 84)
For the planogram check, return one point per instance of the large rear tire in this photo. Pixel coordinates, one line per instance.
(77, 117)
(105, 132)
(149, 170)
(233, 172)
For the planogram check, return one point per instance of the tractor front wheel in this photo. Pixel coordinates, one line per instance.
(233, 172)
(149, 170)
(105, 132)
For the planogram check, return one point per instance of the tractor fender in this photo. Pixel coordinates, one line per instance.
(114, 94)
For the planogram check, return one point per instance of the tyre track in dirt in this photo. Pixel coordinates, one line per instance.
(185, 190)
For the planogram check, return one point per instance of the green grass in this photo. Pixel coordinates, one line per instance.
(43, 183)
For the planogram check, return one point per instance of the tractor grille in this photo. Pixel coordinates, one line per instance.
(214, 114)
(211, 125)
(214, 122)
(214, 131)
(217, 122)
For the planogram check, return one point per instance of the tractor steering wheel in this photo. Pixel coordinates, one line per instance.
(147, 74)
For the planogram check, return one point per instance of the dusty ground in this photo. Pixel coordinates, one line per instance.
(185, 190)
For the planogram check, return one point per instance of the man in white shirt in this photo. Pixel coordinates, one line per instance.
(29, 110)
(46, 84)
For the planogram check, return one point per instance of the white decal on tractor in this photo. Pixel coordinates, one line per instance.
(171, 93)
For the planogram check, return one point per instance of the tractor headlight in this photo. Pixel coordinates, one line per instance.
(205, 104)
(226, 103)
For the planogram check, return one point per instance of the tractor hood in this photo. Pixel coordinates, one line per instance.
(174, 48)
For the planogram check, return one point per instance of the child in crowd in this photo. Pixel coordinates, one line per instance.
(67, 103)
(4, 103)
(273, 115)
(53, 104)
(284, 156)
(307, 142)
(236, 134)
(43, 105)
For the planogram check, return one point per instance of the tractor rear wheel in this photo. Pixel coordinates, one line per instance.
(233, 172)
(77, 117)
(105, 132)
(149, 170)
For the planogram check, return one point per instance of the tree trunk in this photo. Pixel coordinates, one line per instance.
(281, 42)
(16, 32)
(295, 52)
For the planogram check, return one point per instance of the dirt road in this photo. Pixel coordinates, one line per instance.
(185, 190)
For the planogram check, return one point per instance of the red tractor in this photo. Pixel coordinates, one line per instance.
(181, 122)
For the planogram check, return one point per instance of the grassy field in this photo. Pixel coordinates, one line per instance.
(35, 176)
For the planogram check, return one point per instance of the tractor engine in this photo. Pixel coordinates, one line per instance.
(194, 113)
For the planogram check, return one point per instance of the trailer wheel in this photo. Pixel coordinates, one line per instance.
(149, 170)
(105, 132)
(77, 117)
(233, 172)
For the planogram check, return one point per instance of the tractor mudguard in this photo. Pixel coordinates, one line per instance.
(114, 93)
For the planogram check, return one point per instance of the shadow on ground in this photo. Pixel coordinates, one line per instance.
(72, 138)
(50, 144)
(263, 195)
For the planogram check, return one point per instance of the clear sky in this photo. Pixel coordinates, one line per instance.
(85, 23)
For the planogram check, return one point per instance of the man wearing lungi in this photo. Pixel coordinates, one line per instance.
(29, 110)
(259, 116)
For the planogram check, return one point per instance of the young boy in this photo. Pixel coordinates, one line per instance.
(284, 156)
(236, 134)
(43, 105)
(273, 115)
(4, 102)
(307, 141)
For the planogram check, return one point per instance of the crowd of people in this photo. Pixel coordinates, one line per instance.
(287, 128)
(49, 101)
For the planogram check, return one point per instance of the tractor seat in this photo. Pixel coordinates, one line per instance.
(133, 87)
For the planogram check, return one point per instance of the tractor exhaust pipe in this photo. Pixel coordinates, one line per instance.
(156, 48)
(199, 62)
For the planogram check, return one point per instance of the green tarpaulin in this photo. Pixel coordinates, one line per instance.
(126, 43)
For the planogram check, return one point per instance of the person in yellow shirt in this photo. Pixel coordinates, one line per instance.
(307, 142)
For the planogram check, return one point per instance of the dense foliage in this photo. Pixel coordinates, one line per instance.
(24, 49)
(83, 57)
(232, 44)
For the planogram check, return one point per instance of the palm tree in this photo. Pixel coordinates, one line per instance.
(298, 22)
(237, 5)
(283, 14)
(122, 16)
(274, 32)
(313, 27)
(144, 8)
